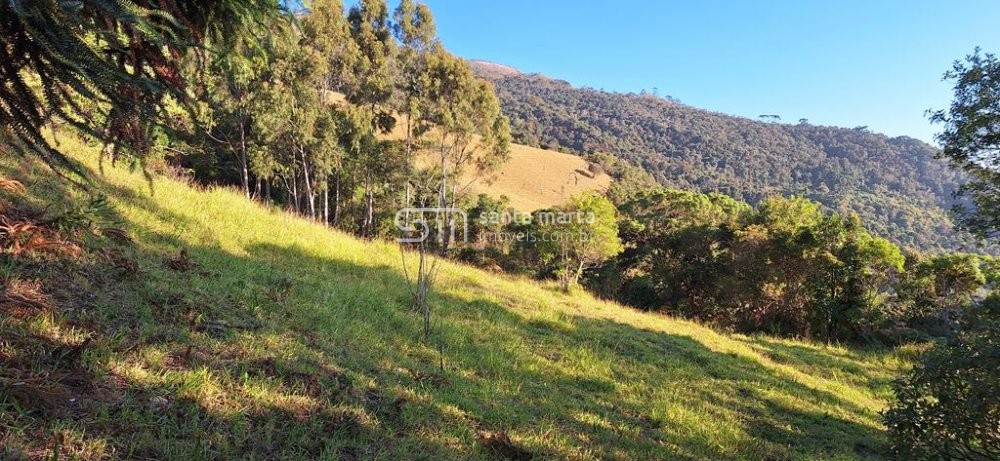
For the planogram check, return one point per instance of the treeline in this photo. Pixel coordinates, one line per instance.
(785, 267)
(895, 185)
(349, 117)
(328, 114)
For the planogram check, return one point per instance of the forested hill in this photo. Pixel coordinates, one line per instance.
(894, 184)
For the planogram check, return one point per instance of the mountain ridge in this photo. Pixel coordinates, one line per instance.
(895, 184)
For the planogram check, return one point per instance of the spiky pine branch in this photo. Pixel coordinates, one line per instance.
(124, 56)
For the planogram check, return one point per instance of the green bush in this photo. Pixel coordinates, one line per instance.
(948, 406)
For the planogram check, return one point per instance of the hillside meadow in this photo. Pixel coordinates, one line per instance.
(531, 179)
(190, 323)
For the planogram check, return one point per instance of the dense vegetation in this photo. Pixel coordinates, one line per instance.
(108, 68)
(947, 406)
(342, 117)
(894, 184)
(148, 328)
(785, 267)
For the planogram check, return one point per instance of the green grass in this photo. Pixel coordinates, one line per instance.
(319, 355)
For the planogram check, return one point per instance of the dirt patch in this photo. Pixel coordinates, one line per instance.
(324, 382)
(22, 298)
(184, 263)
(48, 393)
(119, 262)
(432, 378)
(181, 263)
(500, 444)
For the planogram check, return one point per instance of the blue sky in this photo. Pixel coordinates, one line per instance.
(846, 63)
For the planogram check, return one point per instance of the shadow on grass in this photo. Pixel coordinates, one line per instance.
(277, 353)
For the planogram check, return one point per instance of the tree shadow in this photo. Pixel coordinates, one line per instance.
(819, 359)
(272, 351)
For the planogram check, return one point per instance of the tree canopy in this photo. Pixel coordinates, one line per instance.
(122, 58)
(971, 139)
(894, 184)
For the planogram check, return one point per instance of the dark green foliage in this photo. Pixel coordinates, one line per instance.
(894, 184)
(947, 407)
(485, 224)
(123, 58)
(971, 139)
(933, 291)
(785, 268)
(629, 179)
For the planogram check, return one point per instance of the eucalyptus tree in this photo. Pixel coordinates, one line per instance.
(471, 130)
(232, 84)
(369, 91)
(325, 30)
(300, 131)
(413, 27)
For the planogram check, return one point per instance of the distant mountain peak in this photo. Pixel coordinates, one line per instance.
(492, 70)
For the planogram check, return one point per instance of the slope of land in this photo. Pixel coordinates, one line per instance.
(492, 69)
(532, 179)
(221, 329)
(895, 184)
(536, 178)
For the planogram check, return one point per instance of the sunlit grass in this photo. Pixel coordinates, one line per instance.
(319, 355)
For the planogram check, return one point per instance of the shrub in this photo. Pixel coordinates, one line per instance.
(948, 407)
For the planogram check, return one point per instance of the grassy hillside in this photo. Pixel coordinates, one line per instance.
(536, 178)
(224, 330)
(895, 184)
(532, 179)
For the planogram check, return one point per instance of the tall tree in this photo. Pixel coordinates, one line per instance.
(471, 129)
(971, 139)
(413, 27)
(125, 56)
(231, 84)
(946, 407)
(325, 30)
(369, 92)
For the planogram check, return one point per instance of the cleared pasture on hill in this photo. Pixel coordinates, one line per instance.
(532, 179)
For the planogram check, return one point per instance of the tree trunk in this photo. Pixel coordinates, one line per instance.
(566, 275)
(443, 192)
(244, 169)
(369, 208)
(326, 204)
(336, 200)
(443, 196)
(578, 273)
(295, 192)
(450, 235)
(310, 194)
(421, 292)
(409, 136)
(368, 215)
